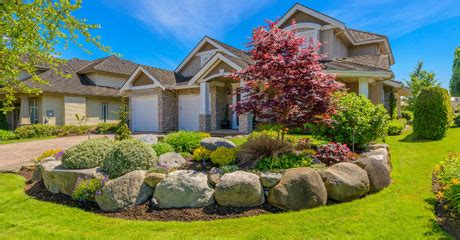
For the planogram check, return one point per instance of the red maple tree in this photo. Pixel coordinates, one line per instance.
(286, 83)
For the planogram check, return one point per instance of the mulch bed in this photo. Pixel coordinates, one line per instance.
(448, 222)
(38, 191)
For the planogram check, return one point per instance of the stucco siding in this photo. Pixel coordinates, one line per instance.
(142, 80)
(340, 48)
(107, 79)
(72, 106)
(327, 41)
(194, 64)
(367, 49)
(94, 110)
(216, 70)
(55, 105)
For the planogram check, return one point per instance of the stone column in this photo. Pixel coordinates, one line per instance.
(376, 93)
(24, 117)
(364, 86)
(205, 110)
(245, 121)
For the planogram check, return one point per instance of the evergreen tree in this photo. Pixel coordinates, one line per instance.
(420, 79)
(455, 80)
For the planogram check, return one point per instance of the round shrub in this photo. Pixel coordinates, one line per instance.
(87, 154)
(334, 153)
(395, 127)
(36, 131)
(457, 120)
(127, 156)
(87, 189)
(201, 154)
(162, 147)
(433, 113)
(184, 141)
(6, 135)
(356, 114)
(408, 115)
(223, 156)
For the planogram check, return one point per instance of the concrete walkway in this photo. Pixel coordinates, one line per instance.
(15, 155)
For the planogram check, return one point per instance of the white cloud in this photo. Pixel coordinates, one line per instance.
(192, 19)
(395, 17)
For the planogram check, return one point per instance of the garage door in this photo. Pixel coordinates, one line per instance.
(189, 112)
(145, 113)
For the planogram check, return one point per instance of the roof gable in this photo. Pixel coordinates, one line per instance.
(138, 72)
(301, 11)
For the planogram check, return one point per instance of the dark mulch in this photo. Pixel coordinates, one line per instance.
(147, 212)
(445, 219)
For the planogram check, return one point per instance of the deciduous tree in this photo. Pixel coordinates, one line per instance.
(420, 79)
(455, 80)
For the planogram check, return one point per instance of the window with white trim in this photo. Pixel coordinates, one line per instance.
(33, 111)
(309, 36)
(104, 111)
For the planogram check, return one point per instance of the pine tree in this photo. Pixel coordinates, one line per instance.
(455, 80)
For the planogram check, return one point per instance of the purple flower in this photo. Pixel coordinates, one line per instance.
(58, 155)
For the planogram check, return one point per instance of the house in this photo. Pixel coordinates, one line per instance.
(198, 93)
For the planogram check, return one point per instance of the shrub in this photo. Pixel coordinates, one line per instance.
(87, 189)
(204, 135)
(261, 146)
(303, 144)
(448, 169)
(393, 110)
(451, 196)
(457, 120)
(123, 132)
(36, 131)
(47, 153)
(395, 127)
(223, 156)
(447, 173)
(73, 130)
(433, 113)
(106, 128)
(201, 153)
(7, 135)
(272, 134)
(162, 147)
(356, 115)
(408, 115)
(183, 141)
(127, 156)
(333, 153)
(229, 168)
(3, 122)
(285, 161)
(87, 154)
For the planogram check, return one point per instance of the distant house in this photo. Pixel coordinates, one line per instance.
(455, 103)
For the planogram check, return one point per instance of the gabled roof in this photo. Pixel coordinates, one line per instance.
(299, 7)
(166, 77)
(380, 61)
(111, 64)
(363, 36)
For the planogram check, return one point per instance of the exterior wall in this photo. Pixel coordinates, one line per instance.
(194, 64)
(376, 92)
(300, 17)
(340, 48)
(142, 80)
(168, 111)
(220, 66)
(352, 87)
(73, 105)
(218, 104)
(327, 40)
(367, 49)
(94, 110)
(53, 103)
(107, 79)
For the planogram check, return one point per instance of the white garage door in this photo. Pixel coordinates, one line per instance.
(145, 113)
(189, 112)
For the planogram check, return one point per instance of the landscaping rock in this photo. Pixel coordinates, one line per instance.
(345, 182)
(171, 160)
(152, 179)
(381, 154)
(378, 173)
(58, 179)
(270, 179)
(299, 188)
(214, 176)
(147, 138)
(377, 146)
(37, 176)
(213, 143)
(123, 192)
(239, 189)
(184, 188)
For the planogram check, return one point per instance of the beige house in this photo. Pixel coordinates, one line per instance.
(198, 93)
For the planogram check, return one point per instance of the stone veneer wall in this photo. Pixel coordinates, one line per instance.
(218, 103)
(205, 122)
(246, 125)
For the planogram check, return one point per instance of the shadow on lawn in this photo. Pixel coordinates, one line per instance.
(411, 138)
(437, 228)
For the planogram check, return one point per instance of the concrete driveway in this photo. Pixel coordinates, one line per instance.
(15, 155)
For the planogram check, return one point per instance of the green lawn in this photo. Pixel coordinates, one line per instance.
(26, 140)
(403, 211)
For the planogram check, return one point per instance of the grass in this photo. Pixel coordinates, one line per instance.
(405, 210)
(26, 140)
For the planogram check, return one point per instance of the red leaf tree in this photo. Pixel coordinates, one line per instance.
(286, 83)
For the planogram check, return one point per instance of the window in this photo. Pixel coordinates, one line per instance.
(309, 35)
(104, 111)
(33, 111)
(205, 58)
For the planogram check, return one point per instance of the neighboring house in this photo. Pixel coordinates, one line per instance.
(455, 104)
(197, 95)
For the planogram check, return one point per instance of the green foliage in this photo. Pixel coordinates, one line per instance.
(47, 153)
(87, 189)
(393, 111)
(87, 154)
(37, 31)
(73, 130)
(448, 169)
(333, 153)
(201, 153)
(7, 135)
(229, 168)
(457, 120)
(162, 147)
(396, 126)
(452, 196)
(122, 131)
(272, 134)
(408, 115)
(223, 156)
(433, 113)
(36, 131)
(183, 141)
(204, 135)
(106, 128)
(262, 146)
(129, 155)
(3, 121)
(284, 161)
(356, 115)
(455, 80)
(419, 80)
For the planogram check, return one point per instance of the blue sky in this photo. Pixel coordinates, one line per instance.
(161, 33)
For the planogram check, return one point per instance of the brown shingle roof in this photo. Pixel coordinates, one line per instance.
(110, 64)
(349, 66)
(166, 77)
(237, 52)
(361, 36)
(381, 61)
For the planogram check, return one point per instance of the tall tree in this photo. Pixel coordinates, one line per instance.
(286, 84)
(455, 80)
(30, 32)
(420, 79)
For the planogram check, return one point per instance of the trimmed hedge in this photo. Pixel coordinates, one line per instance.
(7, 135)
(36, 131)
(433, 114)
(395, 127)
(127, 156)
(87, 154)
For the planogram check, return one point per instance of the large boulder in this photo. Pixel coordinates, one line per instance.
(147, 138)
(239, 189)
(171, 160)
(214, 176)
(381, 153)
(213, 143)
(378, 173)
(58, 179)
(299, 188)
(152, 179)
(184, 188)
(345, 182)
(269, 179)
(123, 192)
